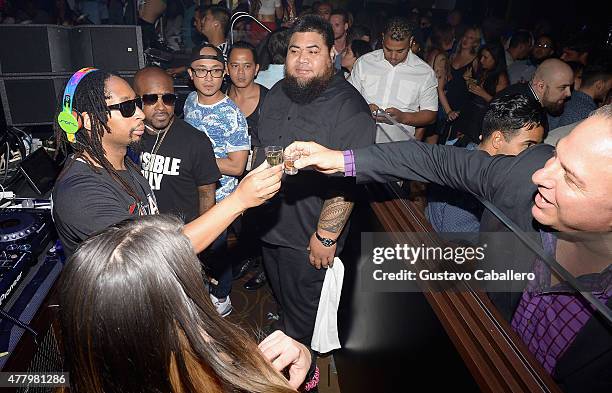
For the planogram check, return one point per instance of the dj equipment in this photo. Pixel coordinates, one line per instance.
(110, 48)
(24, 233)
(40, 171)
(34, 49)
(50, 49)
(32, 100)
(29, 266)
(37, 60)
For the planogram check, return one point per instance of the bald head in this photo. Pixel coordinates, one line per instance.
(552, 83)
(551, 68)
(152, 75)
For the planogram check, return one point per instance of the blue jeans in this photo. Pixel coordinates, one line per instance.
(220, 267)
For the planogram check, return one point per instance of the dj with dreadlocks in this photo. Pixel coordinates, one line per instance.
(99, 117)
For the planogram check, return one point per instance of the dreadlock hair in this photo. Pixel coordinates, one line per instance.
(90, 96)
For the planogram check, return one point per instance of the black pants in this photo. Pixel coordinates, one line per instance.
(296, 285)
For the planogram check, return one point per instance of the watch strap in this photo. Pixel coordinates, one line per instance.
(325, 241)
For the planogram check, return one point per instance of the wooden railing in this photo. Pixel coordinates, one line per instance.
(495, 355)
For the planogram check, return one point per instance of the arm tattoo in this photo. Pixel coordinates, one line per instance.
(334, 215)
(206, 196)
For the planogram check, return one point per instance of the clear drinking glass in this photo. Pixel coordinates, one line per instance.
(274, 155)
(289, 160)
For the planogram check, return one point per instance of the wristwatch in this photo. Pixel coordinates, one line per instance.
(325, 241)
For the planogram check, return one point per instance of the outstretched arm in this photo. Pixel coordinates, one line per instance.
(258, 186)
(471, 171)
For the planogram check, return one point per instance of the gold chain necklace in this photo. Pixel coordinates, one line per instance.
(156, 145)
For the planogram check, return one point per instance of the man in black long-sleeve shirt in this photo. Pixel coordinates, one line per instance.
(556, 193)
(303, 229)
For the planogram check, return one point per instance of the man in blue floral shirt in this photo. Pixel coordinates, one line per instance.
(209, 110)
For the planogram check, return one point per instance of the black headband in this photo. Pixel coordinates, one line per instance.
(198, 56)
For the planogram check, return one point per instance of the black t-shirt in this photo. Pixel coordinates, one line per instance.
(184, 161)
(253, 118)
(86, 201)
(339, 119)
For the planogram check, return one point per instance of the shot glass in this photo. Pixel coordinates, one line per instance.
(274, 155)
(289, 160)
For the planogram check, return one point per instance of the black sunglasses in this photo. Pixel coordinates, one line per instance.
(167, 98)
(127, 108)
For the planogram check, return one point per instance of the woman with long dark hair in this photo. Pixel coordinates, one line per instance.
(135, 317)
(484, 79)
(490, 75)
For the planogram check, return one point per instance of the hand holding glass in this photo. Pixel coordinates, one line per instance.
(289, 159)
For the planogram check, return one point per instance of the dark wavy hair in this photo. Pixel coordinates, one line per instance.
(509, 114)
(273, 48)
(360, 48)
(316, 24)
(135, 317)
(488, 78)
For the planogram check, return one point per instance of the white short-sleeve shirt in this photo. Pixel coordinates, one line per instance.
(410, 86)
(268, 7)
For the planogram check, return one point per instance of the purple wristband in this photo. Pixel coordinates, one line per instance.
(349, 163)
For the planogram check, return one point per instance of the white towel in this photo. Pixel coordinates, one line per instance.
(325, 335)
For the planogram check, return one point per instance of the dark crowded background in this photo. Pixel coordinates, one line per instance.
(578, 32)
(498, 76)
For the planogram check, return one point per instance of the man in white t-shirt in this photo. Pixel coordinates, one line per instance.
(397, 81)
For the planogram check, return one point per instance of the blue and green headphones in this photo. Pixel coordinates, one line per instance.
(68, 119)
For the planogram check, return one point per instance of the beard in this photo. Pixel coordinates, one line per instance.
(553, 108)
(136, 144)
(160, 125)
(304, 92)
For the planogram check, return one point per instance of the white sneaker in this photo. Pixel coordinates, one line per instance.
(223, 308)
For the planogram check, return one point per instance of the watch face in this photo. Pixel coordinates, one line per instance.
(325, 241)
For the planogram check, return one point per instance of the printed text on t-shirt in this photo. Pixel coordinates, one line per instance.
(154, 167)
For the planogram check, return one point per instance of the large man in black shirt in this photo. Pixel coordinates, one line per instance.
(177, 159)
(302, 229)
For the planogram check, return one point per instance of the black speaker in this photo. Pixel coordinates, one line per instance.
(32, 100)
(37, 60)
(34, 49)
(111, 48)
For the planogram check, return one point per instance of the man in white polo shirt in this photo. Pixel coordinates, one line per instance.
(397, 81)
